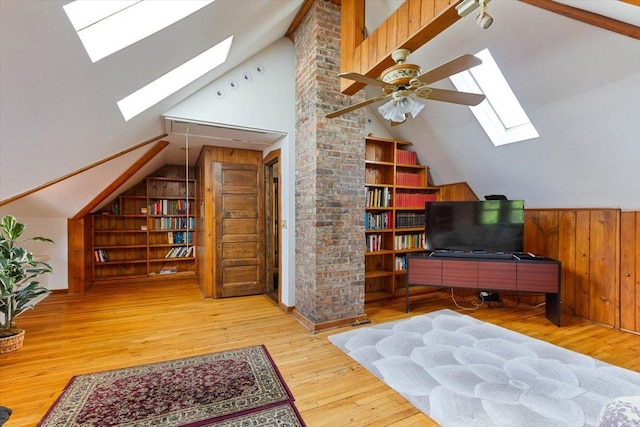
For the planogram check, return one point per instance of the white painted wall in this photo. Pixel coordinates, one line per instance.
(267, 102)
(580, 86)
(56, 230)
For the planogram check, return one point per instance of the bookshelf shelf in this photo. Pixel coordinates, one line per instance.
(378, 273)
(134, 236)
(396, 189)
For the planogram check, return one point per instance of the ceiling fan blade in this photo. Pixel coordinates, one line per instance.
(463, 98)
(455, 66)
(366, 80)
(356, 106)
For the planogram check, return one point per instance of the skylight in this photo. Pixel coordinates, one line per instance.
(107, 26)
(174, 80)
(500, 114)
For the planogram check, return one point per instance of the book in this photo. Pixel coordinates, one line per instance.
(168, 270)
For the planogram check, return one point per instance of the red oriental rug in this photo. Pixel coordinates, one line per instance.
(229, 388)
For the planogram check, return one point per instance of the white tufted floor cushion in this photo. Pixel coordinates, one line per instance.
(621, 412)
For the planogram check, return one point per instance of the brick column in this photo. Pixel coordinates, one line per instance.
(329, 180)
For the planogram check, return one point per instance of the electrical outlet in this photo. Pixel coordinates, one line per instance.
(489, 296)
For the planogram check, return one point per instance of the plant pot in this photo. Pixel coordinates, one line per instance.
(12, 343)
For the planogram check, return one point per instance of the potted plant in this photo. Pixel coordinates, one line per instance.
(18, 287)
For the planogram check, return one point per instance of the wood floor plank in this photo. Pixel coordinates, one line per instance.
(112, 327)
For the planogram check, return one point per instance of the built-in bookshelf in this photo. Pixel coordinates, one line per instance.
(396, 190)
(147, 231)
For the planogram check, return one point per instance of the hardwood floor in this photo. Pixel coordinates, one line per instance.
(117, 326)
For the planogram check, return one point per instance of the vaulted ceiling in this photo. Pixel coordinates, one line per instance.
(580, 84)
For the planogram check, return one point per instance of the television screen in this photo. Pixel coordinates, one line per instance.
(486, 225)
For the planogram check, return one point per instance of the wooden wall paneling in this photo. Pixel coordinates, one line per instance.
(540, 237)
(381, 36)
(390, 26)
(459, 191)
(604, 266)
(415, 15)
(427, 12)
(362, 57)
(548, 236)
(630, 271)
(370, 49)
(567, 255)
(531, 231)
(352, 33)
(402, 28)
(582, 289)
(532, 239)
(445, 15)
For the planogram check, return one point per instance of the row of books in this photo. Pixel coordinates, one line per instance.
(174, 223)
(100, 255)
(406, 157)
(409, 219)
(377, 197)
(400, 263)
(181, 252)
(377, 221)
(180, 236)
(169, 207)
(409, 241)
(374, 242)
(417, 200)
(408, 179)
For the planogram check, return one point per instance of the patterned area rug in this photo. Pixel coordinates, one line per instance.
(464, 372)
(232, 388)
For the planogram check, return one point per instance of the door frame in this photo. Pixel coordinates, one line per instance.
(271, 159)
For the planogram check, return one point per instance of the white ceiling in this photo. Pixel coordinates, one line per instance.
(54, 100)
(580, 85)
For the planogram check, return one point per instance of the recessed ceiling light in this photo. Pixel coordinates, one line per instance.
(174, 80)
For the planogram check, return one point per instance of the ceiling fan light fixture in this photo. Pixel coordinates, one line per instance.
(397, 109)
(390, 112)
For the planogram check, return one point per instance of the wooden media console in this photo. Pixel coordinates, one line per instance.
(539, 275)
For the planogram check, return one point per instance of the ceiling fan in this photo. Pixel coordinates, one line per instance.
(406, 87)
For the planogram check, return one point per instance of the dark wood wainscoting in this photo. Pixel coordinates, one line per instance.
(600, 254)
(630, 271)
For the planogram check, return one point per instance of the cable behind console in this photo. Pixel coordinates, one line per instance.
(475, 304)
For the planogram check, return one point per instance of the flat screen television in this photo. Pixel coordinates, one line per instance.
(484, 225)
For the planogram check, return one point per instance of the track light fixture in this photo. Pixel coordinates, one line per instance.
(484, 20)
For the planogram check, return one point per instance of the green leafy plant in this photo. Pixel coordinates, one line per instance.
(18, 271)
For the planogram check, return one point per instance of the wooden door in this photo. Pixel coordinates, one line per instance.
(239, 266)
